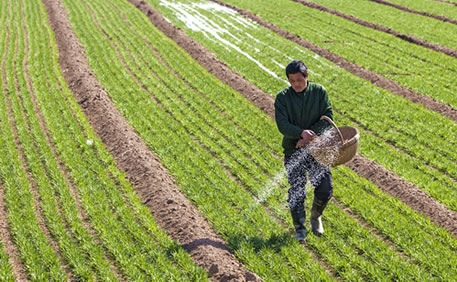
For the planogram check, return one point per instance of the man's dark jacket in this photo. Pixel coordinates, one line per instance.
(297, 111)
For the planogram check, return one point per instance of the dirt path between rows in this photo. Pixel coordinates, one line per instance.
(172, 210)
(446, 2)
(384, 179)
(407, 37)
(406, 9)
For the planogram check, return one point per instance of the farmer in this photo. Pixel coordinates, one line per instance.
(298, 109)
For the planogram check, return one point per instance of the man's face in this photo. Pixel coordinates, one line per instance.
(298, 81)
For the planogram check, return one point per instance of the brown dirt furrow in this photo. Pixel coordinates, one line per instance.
(406, 192)
(406, 9)
(446, 2)
(180, 99)
(407, 37)
(208, 59)
(372, 230)
(172, 210)
(384, 179)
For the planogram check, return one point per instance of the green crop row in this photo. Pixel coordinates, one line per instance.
(426, 140)
(36, 251)
(431, 7)
(6, 272)
(425, 71)
(426, 28)
(322, 67)
(182, 130)
(119, 220)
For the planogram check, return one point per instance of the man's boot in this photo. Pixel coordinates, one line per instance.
(299, 218)
(316, 214)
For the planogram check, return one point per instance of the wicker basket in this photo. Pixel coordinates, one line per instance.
(336, 147)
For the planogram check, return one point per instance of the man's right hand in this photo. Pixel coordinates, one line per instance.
(306, 137)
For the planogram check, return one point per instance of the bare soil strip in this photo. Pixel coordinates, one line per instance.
(355, 69)
(410, 38)
(446, 2)
(384, 179)
(406, 9)
(172, 210)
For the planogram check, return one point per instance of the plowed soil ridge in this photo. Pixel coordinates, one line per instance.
(172, 210)
(384, 179)
(407, 37)
(446, 2)
(425, 14)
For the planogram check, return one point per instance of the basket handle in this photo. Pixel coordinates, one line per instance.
(334, 125)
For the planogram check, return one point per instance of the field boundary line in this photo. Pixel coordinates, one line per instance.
(194, 138)
(375, 78)
(407, 37)
(386, 180)
(151, 180)
(406, 9)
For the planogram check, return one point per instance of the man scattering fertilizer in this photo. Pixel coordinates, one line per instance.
(298, 109)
